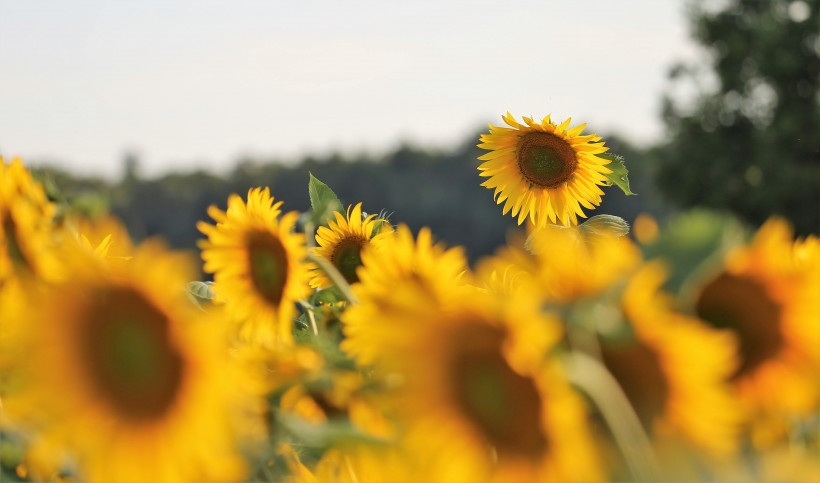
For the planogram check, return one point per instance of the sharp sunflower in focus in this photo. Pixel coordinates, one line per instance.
(343, 240)
(258, 265)
(544, 171)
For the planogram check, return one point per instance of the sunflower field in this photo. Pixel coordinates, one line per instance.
(337, 345)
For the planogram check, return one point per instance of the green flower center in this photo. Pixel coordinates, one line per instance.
(130, 355)
(268, 261)
(347, 258)
(546, 160)
(743, 306)
(503, 405)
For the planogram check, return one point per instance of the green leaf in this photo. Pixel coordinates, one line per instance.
(604, 225)
(323, 435)
(619, 175)
(323, 201)
(328, 295)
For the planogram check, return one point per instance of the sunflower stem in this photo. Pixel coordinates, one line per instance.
(592, 377)
(312, 319)
(334, 275)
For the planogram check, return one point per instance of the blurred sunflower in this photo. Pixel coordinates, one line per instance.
(342, 242)
(564, 265)
(544, 171)
(482, 404)
(258, 265)
(766, 294)
(123, 379)
(354, 463)
(674, 394)
(407, 272)
(106, 236)
(26, 232)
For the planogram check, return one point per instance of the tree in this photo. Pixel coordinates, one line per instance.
(750, 143)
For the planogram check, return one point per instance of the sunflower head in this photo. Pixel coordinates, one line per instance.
(674, 398)
(765, 293)
(543, 171)
(405, 273)
(482, 403)
(563, 264)
(343, 240)
(26, 230)
(119, 364)
(258, 265)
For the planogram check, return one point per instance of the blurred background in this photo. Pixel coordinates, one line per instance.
(156, 109)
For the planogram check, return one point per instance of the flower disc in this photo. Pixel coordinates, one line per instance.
(543, 171)
(258, 265)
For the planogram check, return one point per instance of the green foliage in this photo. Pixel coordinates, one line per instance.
(694, 242)
(322, 435)
(620, 175)
(323, 201)
(749, 141)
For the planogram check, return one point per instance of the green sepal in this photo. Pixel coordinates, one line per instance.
(200, 292)
(619, 175)
(323, 201)
(604, 225)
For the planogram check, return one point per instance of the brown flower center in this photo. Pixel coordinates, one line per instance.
(347, 258)
(504, 406)
(13, 248)
(638, 371)
(742, 305)
(546, 160)
(129, 354)
(268, 261)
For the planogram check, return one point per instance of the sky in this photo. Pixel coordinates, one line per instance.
(199, 84)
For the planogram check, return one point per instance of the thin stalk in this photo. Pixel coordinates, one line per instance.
(593, 378)
(334, 276)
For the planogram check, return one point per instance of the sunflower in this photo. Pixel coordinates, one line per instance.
(26, 232)
(407, 272)
(766, 294)
(677, 397)
(544, 171)
(564, 265)
(481, 404)
(353, 464)
(124, 379)
(342, 242)
(258, 265)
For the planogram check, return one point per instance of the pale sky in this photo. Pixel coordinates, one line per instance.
(199, 83)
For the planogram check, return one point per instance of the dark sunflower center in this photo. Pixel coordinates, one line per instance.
(503, 405)
(546, 160)
(638, 371)
(743, 306)
(130, 356)
(13, 248)
(268, 261)
(347, 258)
